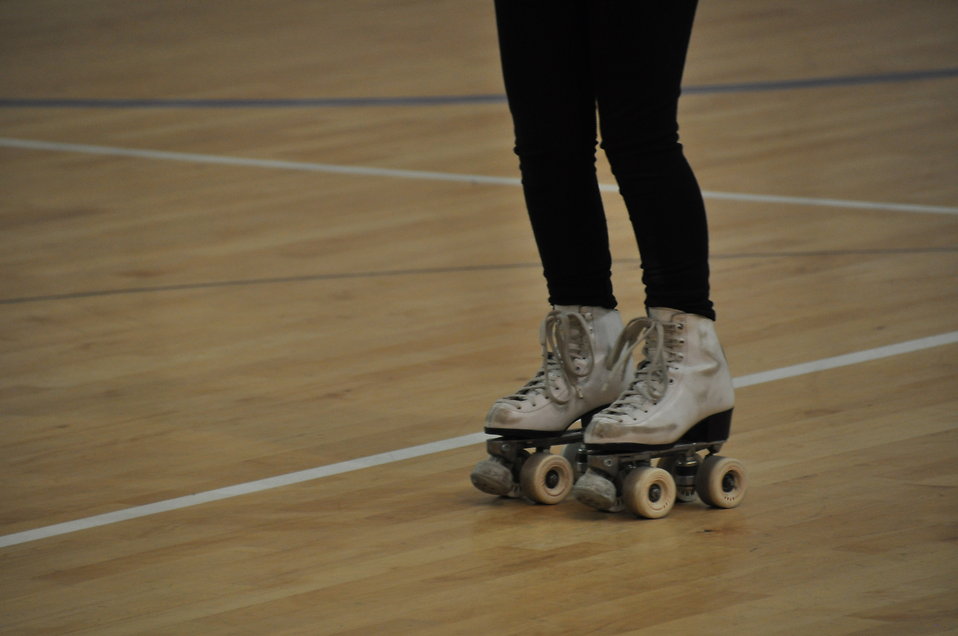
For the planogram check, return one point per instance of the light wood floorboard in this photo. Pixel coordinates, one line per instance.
(173, 327)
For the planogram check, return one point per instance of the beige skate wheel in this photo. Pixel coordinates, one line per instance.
(721, 481)
(546, 478)
(648, 492)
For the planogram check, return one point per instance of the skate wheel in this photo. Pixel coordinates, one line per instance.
(684, 486)
(721, 481)
(575, 454)
(546, 478)
(648, 492)
(493, 477)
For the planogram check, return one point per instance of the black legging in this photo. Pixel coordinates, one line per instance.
(562, 58)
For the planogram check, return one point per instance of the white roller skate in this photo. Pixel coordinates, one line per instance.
(573, 383)
(678, 404)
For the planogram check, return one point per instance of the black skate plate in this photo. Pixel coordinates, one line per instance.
(538, 438)
(517, 434)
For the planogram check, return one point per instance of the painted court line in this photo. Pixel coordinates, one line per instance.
(847, 360)
(240, 489)
(430, 448)
(28, 144)
(436, 100)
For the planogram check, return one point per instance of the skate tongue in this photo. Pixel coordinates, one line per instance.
(663, 314)
(564, 337)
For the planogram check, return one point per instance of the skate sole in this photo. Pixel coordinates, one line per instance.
(714, 429)
(543, 436)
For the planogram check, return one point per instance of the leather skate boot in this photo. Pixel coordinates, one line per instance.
(681, 397)
(575, 375)
(574, 382)
(683, 381)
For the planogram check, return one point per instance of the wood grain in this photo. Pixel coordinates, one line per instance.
(168, 328)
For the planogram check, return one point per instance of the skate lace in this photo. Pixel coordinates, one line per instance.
(567, 357)
(651, 380)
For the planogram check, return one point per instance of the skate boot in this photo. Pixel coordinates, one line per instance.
(678, 404)
(573, 383)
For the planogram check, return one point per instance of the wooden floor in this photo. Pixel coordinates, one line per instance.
(193, 299)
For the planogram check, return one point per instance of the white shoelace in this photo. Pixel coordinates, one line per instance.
(652, 376)
(567, 356)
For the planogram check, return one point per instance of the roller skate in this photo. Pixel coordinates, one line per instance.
(573, 384)
(677, 407)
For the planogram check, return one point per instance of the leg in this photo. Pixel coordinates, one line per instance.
(544, 47)
(681, 397)
(638, 55)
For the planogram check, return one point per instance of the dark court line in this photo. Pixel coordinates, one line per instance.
(824, 82)
(445, 100)
(431, 270)
(261, 281)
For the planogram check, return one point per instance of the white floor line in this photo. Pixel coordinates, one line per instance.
(241, 489)
(28, 144)
(427, 449)
(847, 360)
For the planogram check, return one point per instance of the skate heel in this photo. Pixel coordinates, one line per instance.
(714, 428)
